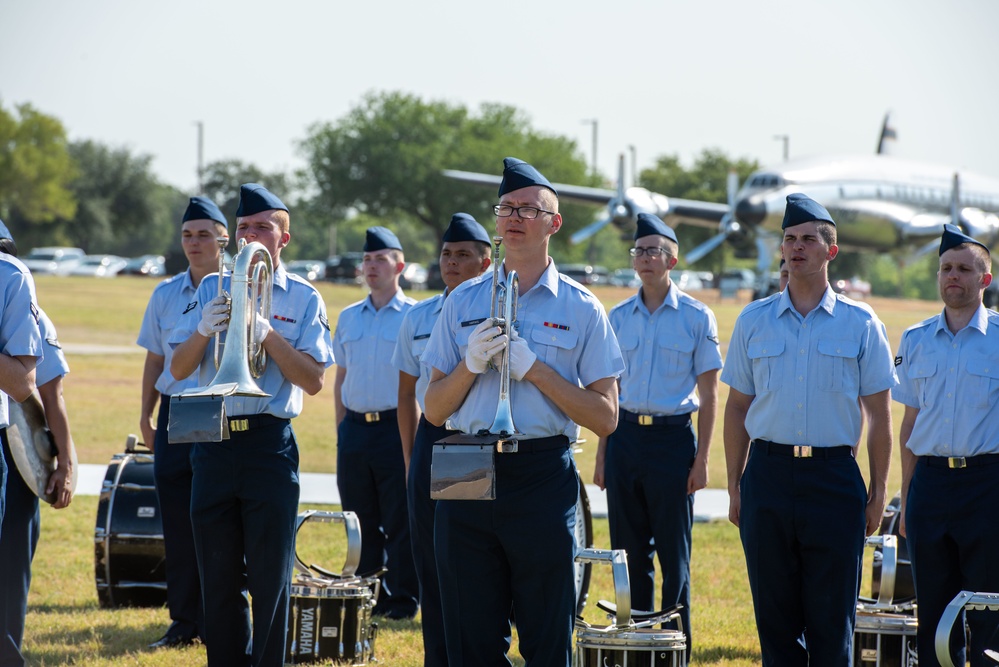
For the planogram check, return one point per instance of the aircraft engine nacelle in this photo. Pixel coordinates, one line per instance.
(982, 225)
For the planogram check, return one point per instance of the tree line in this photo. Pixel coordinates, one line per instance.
(380, 163)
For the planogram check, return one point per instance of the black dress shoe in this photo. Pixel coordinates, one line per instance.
(171, 641)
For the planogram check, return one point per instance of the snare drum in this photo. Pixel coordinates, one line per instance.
(884, 640)
(638, 647)
(331, 623)
(905, 589)
(130, 560)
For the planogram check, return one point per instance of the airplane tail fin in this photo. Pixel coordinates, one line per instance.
(888, 136)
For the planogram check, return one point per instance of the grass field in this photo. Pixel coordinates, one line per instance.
(65, 624)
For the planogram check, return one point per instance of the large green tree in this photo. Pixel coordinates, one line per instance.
(384, 159)
(35, 167)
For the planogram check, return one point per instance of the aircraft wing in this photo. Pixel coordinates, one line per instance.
(573, 192)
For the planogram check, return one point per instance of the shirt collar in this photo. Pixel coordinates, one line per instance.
(672, 299)
(979, 321)
(395, 303)
(548, 279)
(827, 303)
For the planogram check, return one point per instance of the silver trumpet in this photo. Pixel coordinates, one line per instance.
(503, 312)
(198, 414)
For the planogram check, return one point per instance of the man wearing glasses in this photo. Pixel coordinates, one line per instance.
(517, 550)
(653, 463)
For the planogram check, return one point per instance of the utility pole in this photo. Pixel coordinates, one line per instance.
(201, 155)
(593, 122)
(786, 139)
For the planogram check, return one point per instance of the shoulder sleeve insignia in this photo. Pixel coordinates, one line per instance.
(34, 311)
(325, 321)
(53, 342)
(191, 306)
(898, 361)
(713, 339)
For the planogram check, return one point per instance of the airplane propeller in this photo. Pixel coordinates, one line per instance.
(618, 210)
(729, 225)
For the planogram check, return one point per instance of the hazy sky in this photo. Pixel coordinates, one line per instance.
(663, 76)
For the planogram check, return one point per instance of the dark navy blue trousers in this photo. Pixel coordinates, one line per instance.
(650, 512)
(516, 550)
(954, 545)
(803, 525)
(173, 474)
(17, 547)
(244, 504)
(421, 531)
(371, 478)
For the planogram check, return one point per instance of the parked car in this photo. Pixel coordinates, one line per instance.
(98, 266)
(414, 277)
(345, 268)
(688, 281)
(855, 288)
(434, 279)
(625, 278)
(310, 269)
(56, 259)
(145, 265)
(586, 274)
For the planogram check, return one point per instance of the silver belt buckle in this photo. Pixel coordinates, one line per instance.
(957, 462)
(802, 451)
(645, 420)
(372, 417)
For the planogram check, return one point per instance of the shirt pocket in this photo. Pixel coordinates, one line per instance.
(628, 342)
(554, 347)
(352, 343)
(837, 365)
(765, 355)
(919, 374)
(984, 376)
(676, 351)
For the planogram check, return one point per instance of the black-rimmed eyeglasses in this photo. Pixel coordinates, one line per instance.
(654, 251)
(525, 212)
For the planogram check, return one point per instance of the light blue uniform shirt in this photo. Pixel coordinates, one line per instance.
(171, 299)
(954, 381)
(664, 352)
(19, 331)
(562, 322)
(53, 362)
(298, 315)
(414, 334)
(808, 372)
(364, 343)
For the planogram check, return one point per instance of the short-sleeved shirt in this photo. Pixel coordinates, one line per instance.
(20, 334)
(664, 352)
(414, 334)
(53, 362)
(171, 299)
(298, 314)
(364, 343)
(806, 373)
(563, 324)
(954, 381)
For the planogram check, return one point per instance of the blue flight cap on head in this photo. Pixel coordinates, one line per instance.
(254, 198)
(4, 232)
(649, 224)
(518, 174)
(464, 227)
(203, 208)
(801, 209)
(953, 237)
(380, 238)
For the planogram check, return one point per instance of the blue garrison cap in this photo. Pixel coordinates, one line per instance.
(4, 232)
(802, 208)
(518, 174)
(254, 198)
(649, 224)
(953, 237)
(464, 227)
(203, 208)
(380, 238)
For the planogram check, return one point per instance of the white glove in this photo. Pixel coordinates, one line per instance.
(521, 357)
(261, 328)
(214, 317)
(485, 343)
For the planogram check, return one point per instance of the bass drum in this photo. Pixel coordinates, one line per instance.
(130, 560)
(905, 589)
(583, 534)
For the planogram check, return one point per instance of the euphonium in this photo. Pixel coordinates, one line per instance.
(243, 357)
(503, 312)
